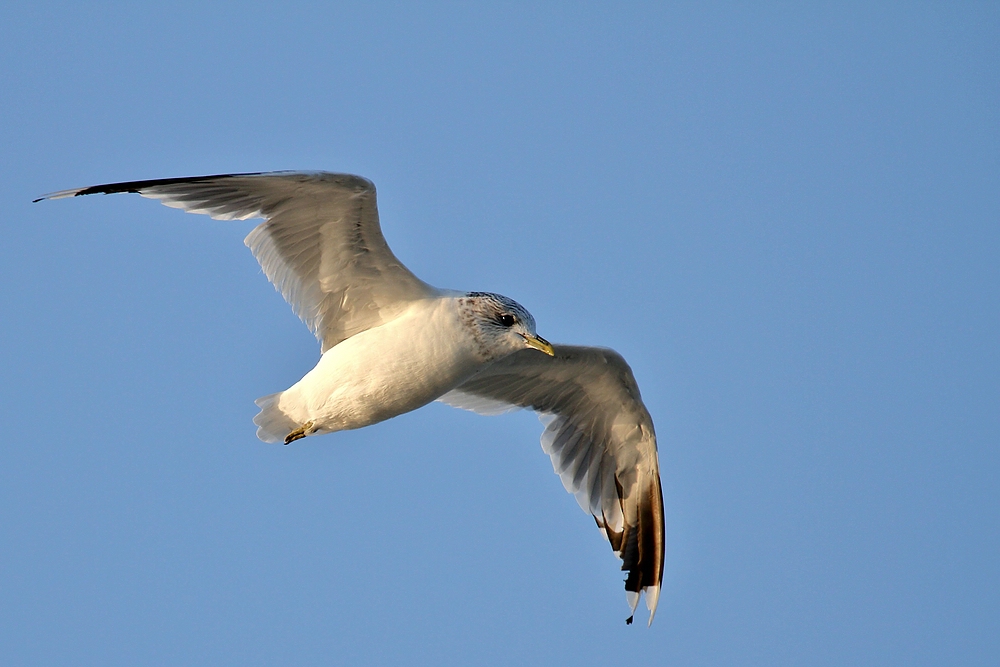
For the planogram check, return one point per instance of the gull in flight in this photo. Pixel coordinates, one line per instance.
(391, 343)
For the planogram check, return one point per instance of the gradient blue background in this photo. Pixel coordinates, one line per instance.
(787, 219)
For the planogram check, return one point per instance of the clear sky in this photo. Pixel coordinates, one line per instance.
(786, 218)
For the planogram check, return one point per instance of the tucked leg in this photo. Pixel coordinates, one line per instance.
(300, 432)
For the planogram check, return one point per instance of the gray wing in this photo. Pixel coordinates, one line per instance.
(601, 441)
(320, 242)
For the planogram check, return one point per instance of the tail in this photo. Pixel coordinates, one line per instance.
(273, 424)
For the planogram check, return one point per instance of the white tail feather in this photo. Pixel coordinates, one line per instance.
(273, 424)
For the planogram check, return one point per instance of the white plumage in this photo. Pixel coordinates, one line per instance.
(391, 343)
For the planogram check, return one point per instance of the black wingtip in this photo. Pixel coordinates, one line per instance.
(136, 187)
(628, 621)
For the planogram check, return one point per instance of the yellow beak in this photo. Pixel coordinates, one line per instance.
(539, 343)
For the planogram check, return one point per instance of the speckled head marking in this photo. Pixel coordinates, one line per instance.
(499, 324)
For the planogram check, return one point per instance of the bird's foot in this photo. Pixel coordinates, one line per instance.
(300, 432)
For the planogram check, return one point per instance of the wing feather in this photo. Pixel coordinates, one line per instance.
(600, 439)
(320, 243)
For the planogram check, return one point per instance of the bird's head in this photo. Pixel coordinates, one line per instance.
(500, 325)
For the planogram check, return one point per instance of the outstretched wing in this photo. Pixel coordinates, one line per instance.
(601, 441)
(320, 242)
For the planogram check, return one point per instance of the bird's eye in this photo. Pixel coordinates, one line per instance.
(507, 320)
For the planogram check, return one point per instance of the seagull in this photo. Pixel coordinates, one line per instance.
(390, 343)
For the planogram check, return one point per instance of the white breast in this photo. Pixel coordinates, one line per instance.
(386, 371)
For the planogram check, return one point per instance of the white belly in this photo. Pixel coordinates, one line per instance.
(385, 371)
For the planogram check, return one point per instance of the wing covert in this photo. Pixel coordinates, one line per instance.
(320, 243)
(600, 439)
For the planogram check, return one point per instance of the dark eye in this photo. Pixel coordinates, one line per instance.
(507, 320)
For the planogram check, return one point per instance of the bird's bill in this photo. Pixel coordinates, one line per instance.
(539, 343)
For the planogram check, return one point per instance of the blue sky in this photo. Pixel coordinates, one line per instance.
(784, 217)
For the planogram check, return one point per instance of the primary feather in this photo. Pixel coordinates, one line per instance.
(600, 438)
